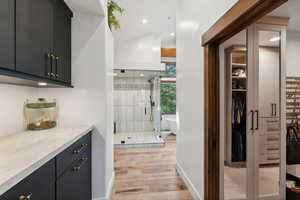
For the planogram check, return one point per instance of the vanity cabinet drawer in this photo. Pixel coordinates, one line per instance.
(40, 185)
(73, 153)
(75, 183)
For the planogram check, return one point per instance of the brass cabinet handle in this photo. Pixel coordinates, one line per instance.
(77, 151)
(56, 66)
(77, 168)
(49, 60)
(23, 197)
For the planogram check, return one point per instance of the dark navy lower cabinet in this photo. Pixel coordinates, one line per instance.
(75, 183)
(57, 181)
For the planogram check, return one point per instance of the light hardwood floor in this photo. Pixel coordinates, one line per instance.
(148, 174)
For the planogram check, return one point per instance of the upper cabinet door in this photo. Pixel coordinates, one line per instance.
(7, 34)
(62, 41)
(34, 19)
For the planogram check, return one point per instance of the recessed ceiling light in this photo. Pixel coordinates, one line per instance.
(274, 39)
(142, 75)
(172, 34)
(155, 49)
(115, 74)
(42, 84)
(145, 21)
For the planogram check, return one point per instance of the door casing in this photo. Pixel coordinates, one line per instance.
(239, 17)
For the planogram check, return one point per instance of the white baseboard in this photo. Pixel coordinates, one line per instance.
(109, 189)
(195, 194)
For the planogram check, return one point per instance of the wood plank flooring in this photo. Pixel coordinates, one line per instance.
(148, 174)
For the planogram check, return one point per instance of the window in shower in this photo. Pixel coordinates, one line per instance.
(168, 90)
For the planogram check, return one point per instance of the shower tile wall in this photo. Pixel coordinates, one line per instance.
(132, 107)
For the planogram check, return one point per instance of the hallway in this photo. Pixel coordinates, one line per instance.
(148, 174)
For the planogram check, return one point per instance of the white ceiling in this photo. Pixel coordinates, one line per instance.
(161, 16)
(290, 9)
(94, 7)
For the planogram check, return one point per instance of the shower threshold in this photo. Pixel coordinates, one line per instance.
(137, 139)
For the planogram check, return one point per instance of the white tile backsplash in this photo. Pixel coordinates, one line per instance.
(12, 99)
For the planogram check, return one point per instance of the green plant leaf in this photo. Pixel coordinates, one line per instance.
(112, 8)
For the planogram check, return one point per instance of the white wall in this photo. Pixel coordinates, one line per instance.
(12, 99)
(293, 49)
(194, 17)
(90, 101)
(142, 53)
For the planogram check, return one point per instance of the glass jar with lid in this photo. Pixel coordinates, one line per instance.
(40, 114)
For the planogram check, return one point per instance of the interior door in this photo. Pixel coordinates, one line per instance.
(237, 152)
(269, 125)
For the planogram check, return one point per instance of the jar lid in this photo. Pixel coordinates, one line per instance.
(41, 105)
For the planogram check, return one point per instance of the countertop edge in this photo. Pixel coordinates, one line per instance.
(10, 183)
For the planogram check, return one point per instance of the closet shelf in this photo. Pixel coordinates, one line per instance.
(239, 90)
(293, 98)
(293, 88)
(292, 104)
(293, 82)
(238, 77)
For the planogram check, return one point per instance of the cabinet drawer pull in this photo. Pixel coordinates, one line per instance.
(273, 139)
(273, 149)
(273, 158)
(77, 168)
(77, 151)
(23, 197)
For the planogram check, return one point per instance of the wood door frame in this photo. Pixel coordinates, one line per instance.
(239, 17)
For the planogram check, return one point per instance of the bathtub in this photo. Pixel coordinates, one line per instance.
(169, 123)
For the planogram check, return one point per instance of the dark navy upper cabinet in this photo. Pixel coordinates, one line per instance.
(7, 34)
(34, 37)
(35, 40)
(62, 41)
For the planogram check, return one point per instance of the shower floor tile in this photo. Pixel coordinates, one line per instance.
(137, 139)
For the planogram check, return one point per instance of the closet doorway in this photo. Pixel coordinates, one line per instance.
(252, 75)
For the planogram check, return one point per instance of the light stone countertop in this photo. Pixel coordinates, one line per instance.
(23, 153)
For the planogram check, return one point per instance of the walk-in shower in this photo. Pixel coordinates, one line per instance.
(137, 112)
